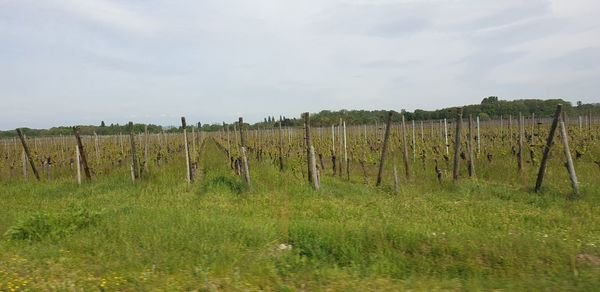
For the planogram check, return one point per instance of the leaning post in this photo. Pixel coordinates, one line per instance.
(547, 147)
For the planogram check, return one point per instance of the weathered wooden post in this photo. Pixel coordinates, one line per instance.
(77, 160)
(228, 142)
(414, 142)
(333, 153)
(28, 154)
(121, 144)
(459, 113)
(146, 148)
(471, 167)
(422, 133)
(570, 167)
(280, 145)
(246, 170)
(446, 136)
(188, 163)
(479, 135)
(315, 171)
(97, 148)
(135, 172)
(405, 150)
(546, 153)
(86, 169)
(384, 148)
(310, 161)
(245, 167)
(346, 158)
(340, 162)
(235, 137)
(193, 152)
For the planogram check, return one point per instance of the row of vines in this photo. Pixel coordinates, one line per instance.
(507, 151)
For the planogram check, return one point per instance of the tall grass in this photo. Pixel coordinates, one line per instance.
(161, 234)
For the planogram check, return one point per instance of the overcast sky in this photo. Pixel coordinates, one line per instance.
(65, 62)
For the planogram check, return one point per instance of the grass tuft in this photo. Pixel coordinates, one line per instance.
(48, 226)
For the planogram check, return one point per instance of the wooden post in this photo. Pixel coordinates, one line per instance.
(471, 167)
(245, 166)
(479, 135)
(193, 155)
(422, 134)
(280, 145)
(405, 150)
(571, 169)
(228, 143)
(146, 148)
(346, 159)
(28, 154)
(97, 148)
(188, 162)
(307, 144)
(121, 143)
(459, 113)
(86, 169)
(242, 138)
(333, 154)
(414, 142)
(315, 172)
(77, 160)
(310, 161)
(384, 148)
(340, 163)
(542, 171)
(235, 137)
(446, 136)
(134, 165)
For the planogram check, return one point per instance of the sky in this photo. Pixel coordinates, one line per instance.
(68, 62)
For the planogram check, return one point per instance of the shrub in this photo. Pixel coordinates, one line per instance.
(42, 226)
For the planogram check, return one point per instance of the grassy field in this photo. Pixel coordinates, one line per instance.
(217, 234)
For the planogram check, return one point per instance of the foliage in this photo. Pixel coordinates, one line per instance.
(161, 234)
(40, 226)
(491, 106)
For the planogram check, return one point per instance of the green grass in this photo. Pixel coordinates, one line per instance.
(218, 234)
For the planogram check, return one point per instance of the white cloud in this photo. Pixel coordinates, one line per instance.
(108, 13)
(216, 60)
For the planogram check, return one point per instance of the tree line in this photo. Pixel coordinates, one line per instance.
(490, 108)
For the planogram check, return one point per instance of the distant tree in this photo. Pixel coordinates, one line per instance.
(490, 99)
(579, 103)
(102, 124)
